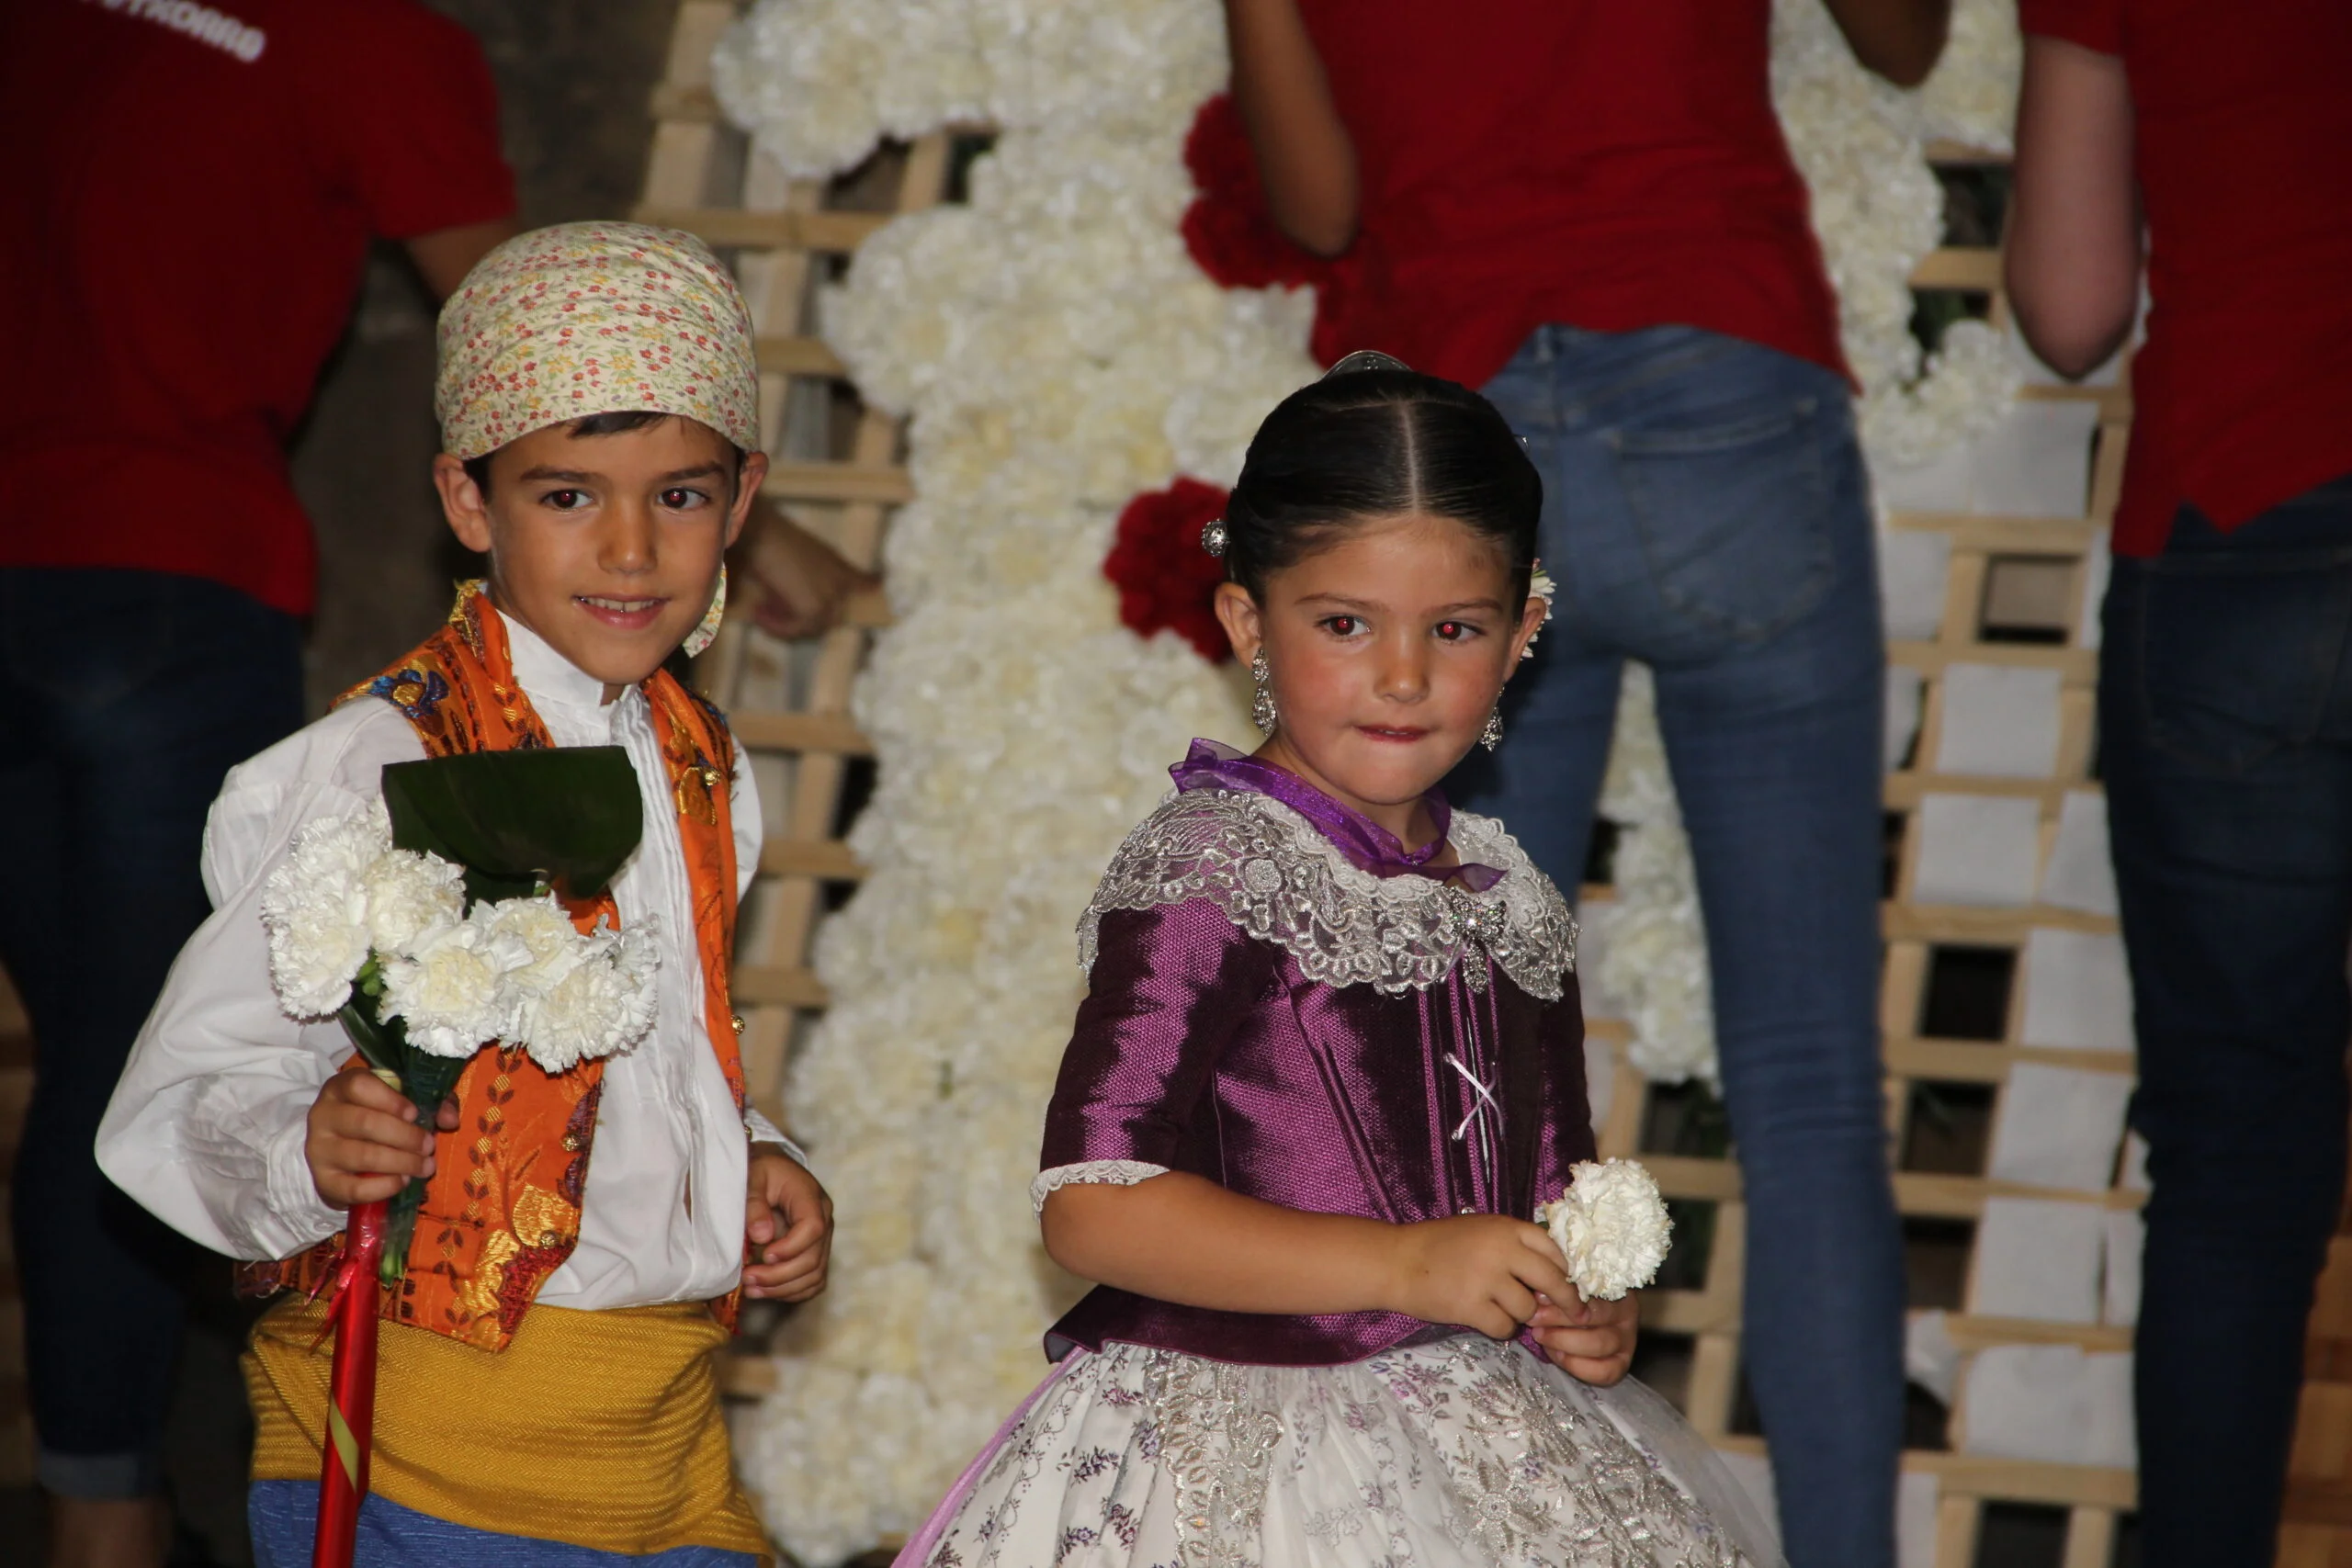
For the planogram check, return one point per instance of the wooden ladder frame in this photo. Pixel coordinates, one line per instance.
(789, 707)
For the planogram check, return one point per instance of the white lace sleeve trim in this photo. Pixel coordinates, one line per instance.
(1108, 1172)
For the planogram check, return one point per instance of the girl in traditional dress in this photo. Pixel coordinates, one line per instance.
(1329, 1062)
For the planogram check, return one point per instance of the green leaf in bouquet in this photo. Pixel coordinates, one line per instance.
(567, 815)
(382, 1043)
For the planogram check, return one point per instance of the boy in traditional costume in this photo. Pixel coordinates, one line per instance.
(546, 1390)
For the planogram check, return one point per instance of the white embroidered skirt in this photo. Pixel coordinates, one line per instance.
(1462, 1452)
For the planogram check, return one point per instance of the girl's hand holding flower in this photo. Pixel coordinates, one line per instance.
(1484, 1272)
(1592, 1341)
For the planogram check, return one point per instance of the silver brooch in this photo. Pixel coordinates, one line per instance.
(1212, 539)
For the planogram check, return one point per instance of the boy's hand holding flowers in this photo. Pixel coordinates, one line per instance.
(787, 1226)
(364, 1145)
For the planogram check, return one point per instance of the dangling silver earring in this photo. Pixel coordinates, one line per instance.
(1492, 735)
(1261, 703)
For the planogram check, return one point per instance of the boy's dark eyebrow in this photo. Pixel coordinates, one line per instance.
(542, 474)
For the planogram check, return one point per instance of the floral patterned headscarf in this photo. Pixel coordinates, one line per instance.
(593, 318)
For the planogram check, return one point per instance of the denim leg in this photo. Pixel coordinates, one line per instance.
(1706, 512)
(1777, 765)
(2225, 714)
(124, 697)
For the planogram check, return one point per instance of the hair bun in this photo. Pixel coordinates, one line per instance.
(1366, 359)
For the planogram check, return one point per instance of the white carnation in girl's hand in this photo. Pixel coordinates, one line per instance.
(603, 1003)
(450, 986)
(316, 908)
(1613, 1226)
(409, 895)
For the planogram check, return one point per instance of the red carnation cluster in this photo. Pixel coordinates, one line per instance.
(1228, 227)
(1165, 581)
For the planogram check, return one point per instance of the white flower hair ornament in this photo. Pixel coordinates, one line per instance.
(1613, 1226)
(1539, 586)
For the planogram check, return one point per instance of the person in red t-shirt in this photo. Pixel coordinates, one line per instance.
(2225, 679)
(1586, 209)
(192, 192)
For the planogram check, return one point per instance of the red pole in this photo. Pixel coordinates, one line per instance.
(351, 1409)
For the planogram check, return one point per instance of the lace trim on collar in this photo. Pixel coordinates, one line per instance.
(1280, 880)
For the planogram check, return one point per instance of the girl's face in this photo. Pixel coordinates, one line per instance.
(1386, 651)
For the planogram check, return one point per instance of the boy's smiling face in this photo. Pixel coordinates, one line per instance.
(607, 545)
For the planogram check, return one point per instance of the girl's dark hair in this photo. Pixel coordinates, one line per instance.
(615, 422)
(1378, 443)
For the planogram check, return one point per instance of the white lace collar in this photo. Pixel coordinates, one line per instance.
(1277, 877)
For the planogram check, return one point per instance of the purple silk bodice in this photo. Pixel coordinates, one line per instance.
(1264, 1013)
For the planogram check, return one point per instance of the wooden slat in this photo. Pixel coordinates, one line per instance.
(1977, 271)
(2076, 666)
(1985, 1061)
(875, 483)
(769, 986)
(798, 357)
(724, 228)
(1968, 925)
(826, 860)
(834, 734)
(693, 105)
(2003, 535)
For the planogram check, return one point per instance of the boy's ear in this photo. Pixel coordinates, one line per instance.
(1245, 627)
(462, 504)
(748, 480)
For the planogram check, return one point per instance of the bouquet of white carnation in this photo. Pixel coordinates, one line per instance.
(412, 950)
(1613, 1226)
(431, 923)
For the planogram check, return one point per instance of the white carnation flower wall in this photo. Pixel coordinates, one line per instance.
(1057, 352)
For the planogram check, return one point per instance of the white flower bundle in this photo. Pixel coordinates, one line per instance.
(516, 970)
(1612, 1225)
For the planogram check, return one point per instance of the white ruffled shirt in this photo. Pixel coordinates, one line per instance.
(206, 1128)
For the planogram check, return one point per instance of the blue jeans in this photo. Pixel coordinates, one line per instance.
(124, 697)
(2225, 722)
(1706, 512)
(284, 1518)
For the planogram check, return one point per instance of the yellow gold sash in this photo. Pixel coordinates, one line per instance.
(598, 1428)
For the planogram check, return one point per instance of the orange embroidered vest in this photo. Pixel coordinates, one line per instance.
(501, 1212)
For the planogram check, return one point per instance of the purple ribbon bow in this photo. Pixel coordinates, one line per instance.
(1367, 845)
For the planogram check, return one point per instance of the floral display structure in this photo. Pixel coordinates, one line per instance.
(1059, 352)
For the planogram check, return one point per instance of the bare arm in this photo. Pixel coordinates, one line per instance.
(446, 255)
(1181, 1238)
(2073, 263)
(1899, 40)
(1304, 159)
(800, 585)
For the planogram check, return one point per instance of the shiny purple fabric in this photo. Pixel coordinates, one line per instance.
(1211, 764)
(1204, 1049)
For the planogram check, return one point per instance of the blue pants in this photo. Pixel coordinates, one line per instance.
(2225, 721)
(1706, 512)
(124, 697)
(285, 1515)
